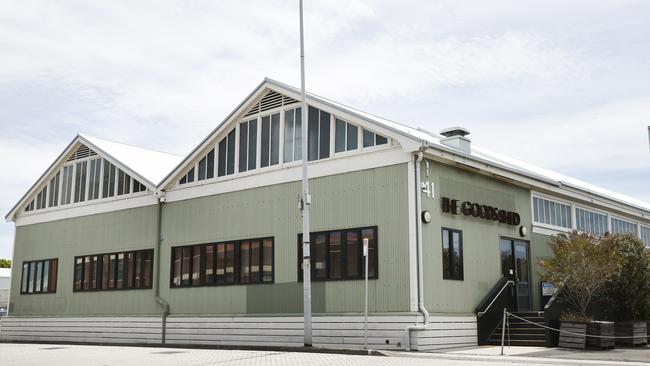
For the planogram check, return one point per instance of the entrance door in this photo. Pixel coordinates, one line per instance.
(515, 265)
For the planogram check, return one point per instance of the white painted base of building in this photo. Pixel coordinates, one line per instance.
(385, 332)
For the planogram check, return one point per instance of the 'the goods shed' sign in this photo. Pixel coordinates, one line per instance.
(478, 210)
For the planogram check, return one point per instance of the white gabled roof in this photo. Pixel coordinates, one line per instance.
(150, 164)
(145, 165)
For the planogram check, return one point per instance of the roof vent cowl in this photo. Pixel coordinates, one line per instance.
(455, 137)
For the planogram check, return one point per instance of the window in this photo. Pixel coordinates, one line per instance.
(108, 189)
(620, 226)
(30, 206)
(114, 271)
(371, 139)
(123, 183)
(551, 213)
(80, 181)
(318, 134)
(227, 155)
(452, 254)
(94, 179)
(54, 190)
(645, 235)
(338, 254)
(41, 199)
(206, 166)
(591, 222)
(270, 144)
(66, 188)
(247, 145)
(39, 277)
(347, 136)
(292, 135)
(188, 178)
(138, 187)
(235, 262)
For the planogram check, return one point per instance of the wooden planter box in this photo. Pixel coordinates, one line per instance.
(573, 340)
(601, 329)
(637, 333)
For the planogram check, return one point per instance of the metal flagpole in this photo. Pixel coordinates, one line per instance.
(305, 199)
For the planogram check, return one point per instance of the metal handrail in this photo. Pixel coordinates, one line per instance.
(508, 283)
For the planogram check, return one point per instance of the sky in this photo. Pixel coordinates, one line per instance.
(561, 84)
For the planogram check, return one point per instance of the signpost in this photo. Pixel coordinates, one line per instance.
(365, 323)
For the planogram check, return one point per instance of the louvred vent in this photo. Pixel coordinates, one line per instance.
(82, 152)
(271, 100)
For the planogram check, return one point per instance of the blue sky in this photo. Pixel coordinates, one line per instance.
(561, 84)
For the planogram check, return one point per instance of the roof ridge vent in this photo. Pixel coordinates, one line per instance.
(454, 137)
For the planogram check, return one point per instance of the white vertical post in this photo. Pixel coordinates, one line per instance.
(503, 329)
(305, 199)
(365, 310)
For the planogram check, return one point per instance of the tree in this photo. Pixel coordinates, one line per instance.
(628, 294)
(5, 263)
(581, 267)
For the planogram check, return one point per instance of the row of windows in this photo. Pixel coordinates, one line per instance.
(558, 214)
(85, 180)
(264, 133)
(114, 271)
(39, 277)
(338, 254)
(227, 263)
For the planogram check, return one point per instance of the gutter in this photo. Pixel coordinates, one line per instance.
(418, 207)
(159, 300)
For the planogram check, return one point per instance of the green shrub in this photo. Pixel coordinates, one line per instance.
(628, 294)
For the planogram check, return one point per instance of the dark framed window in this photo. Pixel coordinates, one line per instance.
(226, 155)
(452, 254)
(114, 271)
(338, 254)
(246, 261)
(39, 277)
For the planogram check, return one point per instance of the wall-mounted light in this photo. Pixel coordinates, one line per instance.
(523, 231)
(426, 217)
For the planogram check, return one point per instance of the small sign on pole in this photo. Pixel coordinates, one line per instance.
(365, 325)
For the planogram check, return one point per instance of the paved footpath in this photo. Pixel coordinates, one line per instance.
(13, 354)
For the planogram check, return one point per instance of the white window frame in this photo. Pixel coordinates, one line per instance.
(281, 164)
(637, 223)
(587, 208)
(556, 200)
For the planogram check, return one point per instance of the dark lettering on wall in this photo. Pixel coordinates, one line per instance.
(473, 209)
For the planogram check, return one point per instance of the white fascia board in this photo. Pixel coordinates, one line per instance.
(291, 173)
(11, 216)
(252, 98)
(96, 207)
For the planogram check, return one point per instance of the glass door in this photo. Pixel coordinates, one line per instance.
(515, 265)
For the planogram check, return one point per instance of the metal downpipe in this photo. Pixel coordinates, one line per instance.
(418, 223)
(159, 300)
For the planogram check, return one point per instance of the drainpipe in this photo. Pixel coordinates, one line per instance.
(418, 223)
(159, 300)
